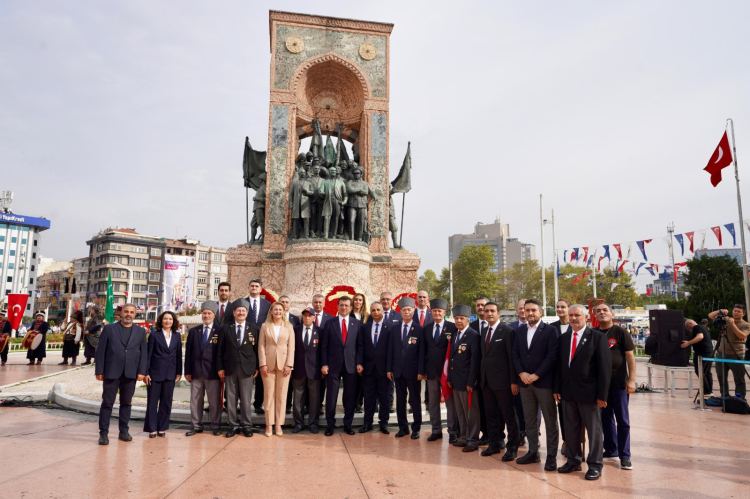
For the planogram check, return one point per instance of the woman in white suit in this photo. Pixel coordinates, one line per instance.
(276, 359)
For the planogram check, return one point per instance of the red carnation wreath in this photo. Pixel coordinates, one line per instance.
(334, 293)
(394, 303)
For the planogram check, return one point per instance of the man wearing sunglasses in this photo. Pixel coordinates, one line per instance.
(734, 348)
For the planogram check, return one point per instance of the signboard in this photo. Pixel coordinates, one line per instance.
(24, 220)
(179, 276)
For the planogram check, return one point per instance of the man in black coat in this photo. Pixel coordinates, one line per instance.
(321, 317)
(377, 365)
(306, 372)
(237, 364)
(389, 315)
(582, 383)
(201, 353)
(121, 359)
(562, 324)
(499, 382)
(463, 376)
(437, 336)
(479, 326)
(703, 347)
(5, 329)
(407, 344)
(225, 312)
(257, 313)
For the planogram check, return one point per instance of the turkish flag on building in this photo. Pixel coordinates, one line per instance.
(721, 158)
(648, 292)
(16, 307)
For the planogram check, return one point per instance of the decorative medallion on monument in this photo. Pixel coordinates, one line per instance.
(322, 214)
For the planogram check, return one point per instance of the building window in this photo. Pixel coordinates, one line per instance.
(203, 257)
(33, 256)
(34, 242)
(13, 239)
(153, 276)
(202, 280)
(32, 267)
(155, 264)
(204, 268)
(10, 278)
(217, 257)
(153, 289)
(12, 252)
(23, 241)
(11, 266)
(31, 280)
(2, 238)
(137, 249)
(155, 251)
(217, 281)
(202, 292)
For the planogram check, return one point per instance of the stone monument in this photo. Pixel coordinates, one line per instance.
(329, 76)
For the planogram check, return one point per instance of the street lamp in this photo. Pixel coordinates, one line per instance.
(130, 282)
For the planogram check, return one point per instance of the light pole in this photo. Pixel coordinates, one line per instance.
(544, 222)
(130, 281)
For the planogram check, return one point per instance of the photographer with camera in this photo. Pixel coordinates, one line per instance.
(703, 347)
(736, 331)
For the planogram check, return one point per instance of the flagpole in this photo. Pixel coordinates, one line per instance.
(745, 279)
(544, 284)
(593, 273)
(401, 237)
(247, 213)
(554, 252)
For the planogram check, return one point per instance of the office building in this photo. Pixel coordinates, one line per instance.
(507, 250)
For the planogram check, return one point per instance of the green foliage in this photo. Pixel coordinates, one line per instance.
(472, 274)
(714, 282)
(522, 281)
(429, 282)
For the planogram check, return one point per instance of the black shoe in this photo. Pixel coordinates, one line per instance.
(485, 440)
(490, 451)
(329, 431)
(232, 432)
(152, 435)
(63, 363)
(73, 363)
(502, 444)
(509, 455)
(314, 429)
(530, 457)
(469, 448)
(593, 474)
(103, 440)
(550, 464)
(217, 432)
(384, 430)
(192, 431)
(297, 428)
(452, 439)
(522, 443)
(460, 443)
(161, 434)
(125, 436)
(402, 433)
(247, 431)
(625, 464)
(88, 362)
(569, 468)
(358, 410)
(435, 436)
(259, 410)
(288, 411)
(414, 435)
(609, 455)
(365, 428)
(348, 430)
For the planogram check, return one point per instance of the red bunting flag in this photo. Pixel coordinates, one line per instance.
(622, 265)
(721, 158)
(599, 266)
(648, 292)
(447, 391)
(585, 254)
(717, 233)
(619, 251)
(690, 235)
(577, 279)
(677, 267)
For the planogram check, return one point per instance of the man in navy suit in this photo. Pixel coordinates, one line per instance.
(321, 317)
(423, 314)
(463, 377)
(377, 365)
(306, 372)
(534, 356)
(225, 312)
(390, 316)
(517, 398)
(341, 357)
(408, 347)
(121, 359)
(201, 349)
(257, 314)
(479, 326)
(437, 336)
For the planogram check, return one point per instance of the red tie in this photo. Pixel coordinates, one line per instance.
(421, 318)
(221, 313)
(343, 330)
(573, 346)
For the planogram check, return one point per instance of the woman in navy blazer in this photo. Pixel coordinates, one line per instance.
(164, 370)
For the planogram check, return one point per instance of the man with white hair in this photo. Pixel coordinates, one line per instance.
(201, 351)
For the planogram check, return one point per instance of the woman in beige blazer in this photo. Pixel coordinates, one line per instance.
(276, 359)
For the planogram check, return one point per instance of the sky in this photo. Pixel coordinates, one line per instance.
(134, 114)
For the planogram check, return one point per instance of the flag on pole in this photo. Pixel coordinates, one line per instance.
(690, 236)
(585, 253)
(720, 159)
(682, 245)
(648, 291)
(730, 228)
(109, 310)
(402, 182)
(717, 233)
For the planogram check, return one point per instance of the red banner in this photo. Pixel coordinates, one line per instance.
(16, 308)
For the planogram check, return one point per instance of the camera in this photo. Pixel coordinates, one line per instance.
(720, 321)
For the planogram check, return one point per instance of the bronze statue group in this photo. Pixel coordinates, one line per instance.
(493, 378)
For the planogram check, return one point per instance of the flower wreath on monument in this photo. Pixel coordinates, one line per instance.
(394, 303)
(332, 297)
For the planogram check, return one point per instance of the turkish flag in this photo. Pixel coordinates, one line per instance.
(717, 233)
(690, 236)
(648, 292)
(721, 158)
(619, 251)
(16, 307)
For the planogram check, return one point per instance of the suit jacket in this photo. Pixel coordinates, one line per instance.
(294, 320)
(380, 358)
(475, 325)
(306, 359)
(497, 370)
(202, 362)
(516, 324)
(541, 357)
(164, 361)
(334, 353)
(228, 314)
(590, 371)
(114, 358)
(408, 354)
(393, 316)
(272, 354)
(263, 308)
(465, 359)
(435, 352)
(324, 317)
(427, 317)
(232, 356)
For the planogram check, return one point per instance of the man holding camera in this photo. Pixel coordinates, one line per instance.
(703, 347)
(734, 348)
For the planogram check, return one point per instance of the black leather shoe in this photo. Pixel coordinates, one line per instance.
(288, 411)
(414, 435)
(297, 428)
(569, 468)
(63, 363)
(217, 432)
(522, 443)
(314, 429)
(469, 448)
(358, 410)
(125, 436)
(232, 432)
(103, 440)
(348, 430)
(402, 433)
(152, 435)
(435, 436)
(452, 439)
(259, 410)
(460, 443)
(161, 434)
(365, 428)
(329, 431)
(384, 430)
(192, 431)
(550, 464)
(530, 457)
(248, 432)
(593, 474)
(509, 455)
(490, 451)
(502, 444)
(485, 440)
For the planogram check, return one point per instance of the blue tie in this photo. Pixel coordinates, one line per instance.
(375, 341)
(205, 336)
(403, 335)
(255, 311)
(437, 333)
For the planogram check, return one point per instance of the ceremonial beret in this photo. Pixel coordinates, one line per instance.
(309, 310)
(463, 310)
(242, 303)
(210, 305)
(439, 303)
(406, 301)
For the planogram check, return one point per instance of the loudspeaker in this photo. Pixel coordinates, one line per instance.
(669, 328)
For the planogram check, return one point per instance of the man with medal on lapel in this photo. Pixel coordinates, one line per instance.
(306, 372)
(377, 366)
(408, 368)
(463, 375)
(437, 336)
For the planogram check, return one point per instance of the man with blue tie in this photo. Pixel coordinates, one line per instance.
(306, 372)
(408, 369)
(463, 377)
(437, 337)
(390, 316)
(321, 317)
(201, 350)
(256, 314)
(377, 366)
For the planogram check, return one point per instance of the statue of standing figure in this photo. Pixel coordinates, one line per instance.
(299, 202)
(316, 144)
(259, 213)
(358, 190)
(332, 191)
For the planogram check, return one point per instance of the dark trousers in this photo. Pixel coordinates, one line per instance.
(414, 388)
(576, 415)
(482, 417)
(738, 371)
(126, 386)
(289, 396)
(616, 423)
(708, 376)
(333, 382)
(500, 412)
(375, 389)
(390, 392)
(258, 401)
(360, 391)
(519, 413)
(304, 388)
(323, 384)
(4, 353)
(158, 405)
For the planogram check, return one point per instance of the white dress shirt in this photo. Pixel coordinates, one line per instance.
(564, 328)
(168, 337)
(530, 333)
(276, 331)
(343, 319)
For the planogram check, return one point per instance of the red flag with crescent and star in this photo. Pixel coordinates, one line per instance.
(721, 158)
(16, 307)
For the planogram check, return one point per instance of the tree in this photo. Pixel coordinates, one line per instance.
(472, 274)
(522, 281)
(435, 287)
(714, 282)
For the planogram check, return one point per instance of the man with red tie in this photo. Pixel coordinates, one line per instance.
(423, 315)
(320, 319)
(225, 312)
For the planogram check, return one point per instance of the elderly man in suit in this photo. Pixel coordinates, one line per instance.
(377, 365)
(256, 315)
(201, 352)
(584, 370)
(321, 317)
(479, 326)
(341, 357)
(534, 357)
(121, 359)
(437, 337)
(237, 364)
(407, 343)
(224, 313)
(306, 372)
(463, 376)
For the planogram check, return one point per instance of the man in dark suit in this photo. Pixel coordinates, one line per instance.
(390, 316)
(534, 357)
(201, 352)
(521, 315)
(225, 312)
(437, 337)
(479, 325)
(423, 315)
(463, 376)
(584, 370)
(341, 357)
(562, 324)
(256, 314)
(321, 317)
(407, 344)
(121, 359)
(499, 383)
(306, 372)
(237, 364)
(517, 398)
(377, 365)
